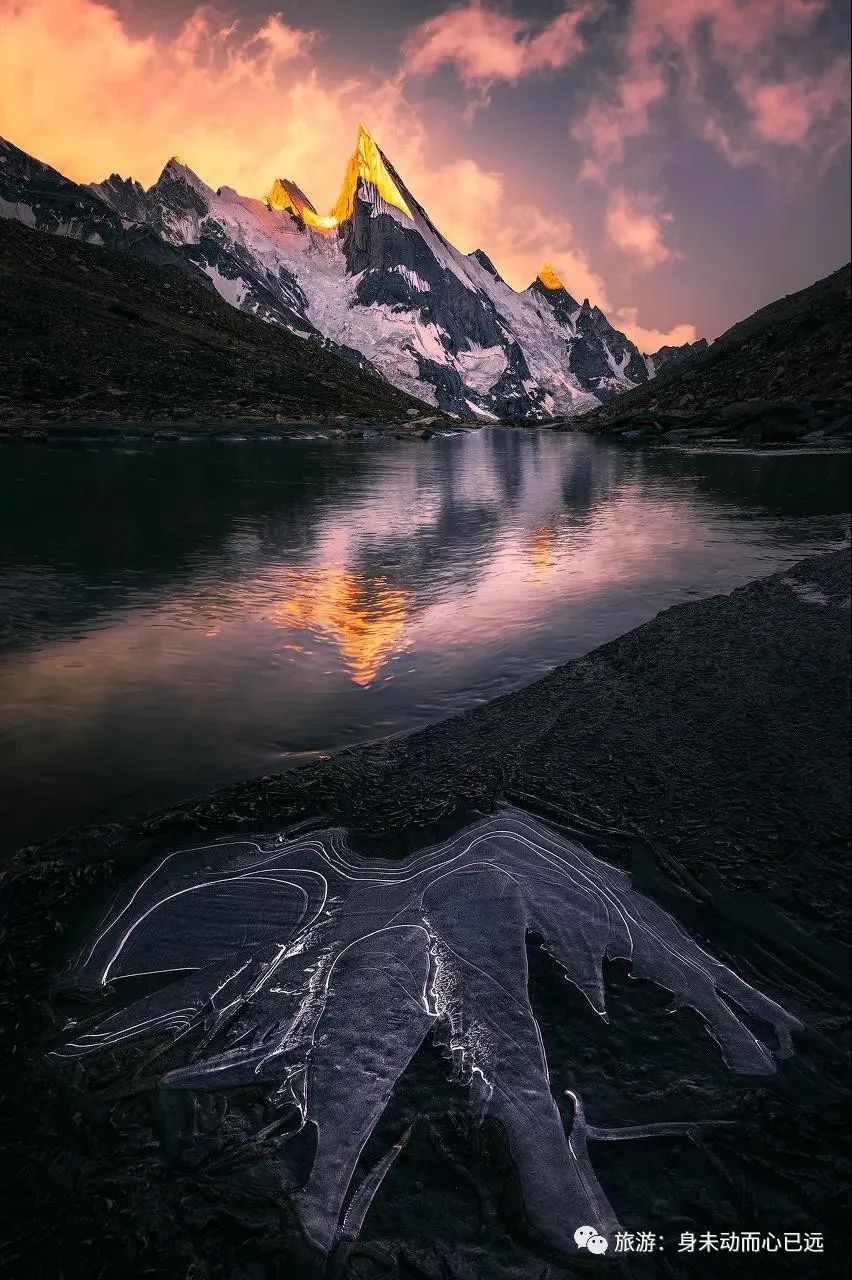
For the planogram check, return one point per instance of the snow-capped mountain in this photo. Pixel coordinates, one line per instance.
(40, 197)
(375, 277)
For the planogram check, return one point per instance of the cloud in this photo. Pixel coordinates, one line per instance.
(650, 340)
(795, 111)
(672, 53)
(479, 210)
(635, 227)
(244, 104)
(487, 46)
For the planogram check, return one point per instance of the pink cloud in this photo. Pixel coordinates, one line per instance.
(667, 51)
(481, 211)
(635, 227)
(487, 46)
(788, 112)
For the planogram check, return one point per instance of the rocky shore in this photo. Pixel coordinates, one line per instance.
(413, 425)
(749, 424)
(706, 752)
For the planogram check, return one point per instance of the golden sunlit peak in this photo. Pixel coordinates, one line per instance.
(285, 194)
(548, 277)
(368, 165)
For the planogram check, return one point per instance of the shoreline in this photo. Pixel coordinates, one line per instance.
(119, 430)
(348, 430)
(705, 753)
(764, 425)
(777, 640)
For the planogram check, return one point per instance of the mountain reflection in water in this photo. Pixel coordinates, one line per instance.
(178, 616)
(365, 617)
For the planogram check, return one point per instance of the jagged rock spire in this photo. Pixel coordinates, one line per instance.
(367, 165)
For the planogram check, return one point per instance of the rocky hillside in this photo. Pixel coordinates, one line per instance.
(94, 334)
(784, 372)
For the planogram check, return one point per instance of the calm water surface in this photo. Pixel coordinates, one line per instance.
(178, 616)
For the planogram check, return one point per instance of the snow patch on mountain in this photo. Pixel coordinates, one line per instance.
(17, 211)
(233, 290)
(480, 412)
(412, 278)
(482, 366)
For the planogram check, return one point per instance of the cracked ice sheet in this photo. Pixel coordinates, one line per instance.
(278, 955)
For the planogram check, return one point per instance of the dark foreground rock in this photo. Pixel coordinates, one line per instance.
(708, 752)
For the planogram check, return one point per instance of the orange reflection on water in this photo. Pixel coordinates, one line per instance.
(542, 549)
(365, 617)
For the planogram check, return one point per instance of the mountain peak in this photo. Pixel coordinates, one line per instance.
(548, 277)
(368, 166)
(548, 286)
(286, 194)
(484, 261)
(177, 170)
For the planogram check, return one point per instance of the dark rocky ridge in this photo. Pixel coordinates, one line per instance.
(673, 355)
(779, 376)
(91, 334)
(43, 198)
(587, 359)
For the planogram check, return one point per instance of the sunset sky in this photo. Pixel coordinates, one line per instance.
(681, 162)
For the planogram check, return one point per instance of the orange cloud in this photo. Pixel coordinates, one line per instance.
(486, 46)
(634, 227)
(80, 90)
